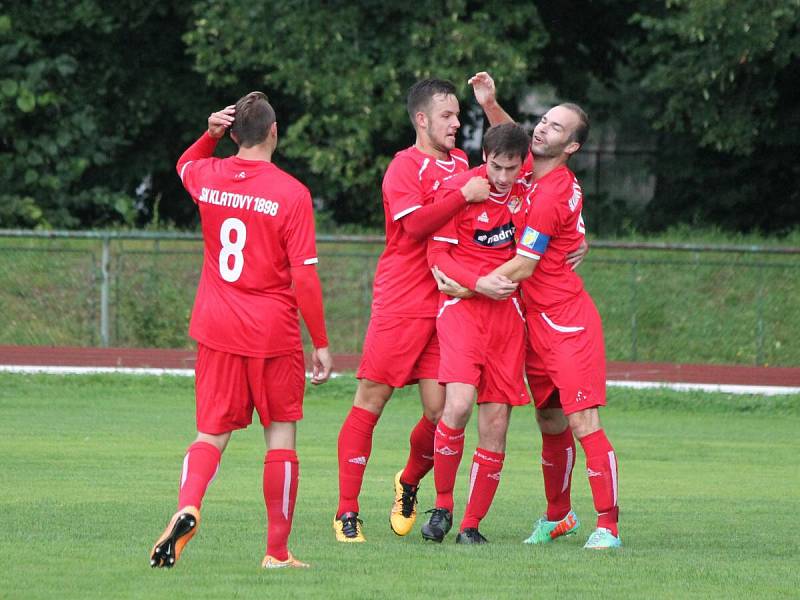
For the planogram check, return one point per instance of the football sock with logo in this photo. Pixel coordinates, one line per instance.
(281, 473)
(601, 467)
(420, 456)
(484, 478)
(355, 445)
(558, 460)
(448, 447)
(200, 466)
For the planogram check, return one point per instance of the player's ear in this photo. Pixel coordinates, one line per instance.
(421, 120)
(572, 148)
(234, 138)
(273, 130)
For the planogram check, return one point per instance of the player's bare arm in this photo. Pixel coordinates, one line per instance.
(518, 268)
(496, 286)
(575, 258)
(486, 94)
(220, 121)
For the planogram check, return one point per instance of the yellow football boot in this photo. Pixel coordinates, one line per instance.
(348, 528)
(404, 509)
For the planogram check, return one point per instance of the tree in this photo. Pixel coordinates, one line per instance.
(717, 81)
(337, 73)
(95, 102)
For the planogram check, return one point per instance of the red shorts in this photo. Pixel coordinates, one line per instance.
(566, 354)
(399, 351)
(482, 343)
(229, 386)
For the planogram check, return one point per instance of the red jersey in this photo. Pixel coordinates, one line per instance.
(481, 237)
(257, 222)
(553, 228)
(403, 285)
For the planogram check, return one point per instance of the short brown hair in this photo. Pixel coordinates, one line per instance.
(252, 120)
(582, 130)
(420, 95)
(506, 139)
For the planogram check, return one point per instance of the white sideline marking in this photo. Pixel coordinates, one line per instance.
(725, 388)
(764, 390)
(100, 370)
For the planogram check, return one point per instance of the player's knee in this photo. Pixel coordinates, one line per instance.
(220, 441)
(433, 414)
(456, 414)
(584, 422)
(551, 422)
(372, 396)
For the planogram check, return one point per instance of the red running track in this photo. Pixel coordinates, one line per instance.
(65, 356)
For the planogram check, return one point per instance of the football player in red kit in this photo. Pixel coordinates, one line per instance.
(481, 337)
(258, 270)
(565, 365)
(400, 347)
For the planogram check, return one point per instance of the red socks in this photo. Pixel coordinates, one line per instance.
(200, 466)
(483, 481)
(420, 457)
(281, 473)
(558, 459)
(601, 467)
(355, 445)
(448, 448)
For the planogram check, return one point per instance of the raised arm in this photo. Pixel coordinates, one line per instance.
(486, 95)
(218, 124)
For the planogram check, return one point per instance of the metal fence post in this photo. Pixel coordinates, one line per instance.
(634, 308)
(760, 320)
(104, 291)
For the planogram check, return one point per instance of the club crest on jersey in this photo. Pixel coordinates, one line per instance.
(484, 217)
(514, 205)
(240, 175)
(499, 236)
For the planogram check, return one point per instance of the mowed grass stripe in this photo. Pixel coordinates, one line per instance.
(91, 467)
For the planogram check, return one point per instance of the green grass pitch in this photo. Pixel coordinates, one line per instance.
(709, 490)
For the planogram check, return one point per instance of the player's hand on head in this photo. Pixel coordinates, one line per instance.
(495, 286)
(321, 365)
(476, 189)
(575, 258)
(220, 121)
(483, 87)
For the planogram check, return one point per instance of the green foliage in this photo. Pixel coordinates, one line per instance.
(671, 306)
(98, 99)
(338, 72)
(89, 97)
(712, 68)
(711, 86)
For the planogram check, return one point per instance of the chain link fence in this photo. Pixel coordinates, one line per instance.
(659, 302)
